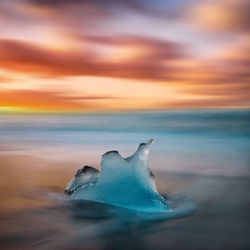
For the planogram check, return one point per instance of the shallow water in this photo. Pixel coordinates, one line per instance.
(208, 213)
(201, 163)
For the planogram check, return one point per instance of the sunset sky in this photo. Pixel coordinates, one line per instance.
(88, 55)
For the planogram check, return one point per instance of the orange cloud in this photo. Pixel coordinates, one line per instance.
(154, 63)
(4, 79)
(221, 80)
(223, 15)
(43, 41)
(48, 100)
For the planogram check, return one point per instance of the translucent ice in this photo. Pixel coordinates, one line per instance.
(125, 182)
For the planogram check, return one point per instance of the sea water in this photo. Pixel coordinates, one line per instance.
(199, 157)
(186, 141)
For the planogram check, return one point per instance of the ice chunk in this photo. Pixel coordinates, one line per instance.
(125, 182)
(84, 176)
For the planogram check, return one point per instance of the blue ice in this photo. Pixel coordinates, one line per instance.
(124, 182)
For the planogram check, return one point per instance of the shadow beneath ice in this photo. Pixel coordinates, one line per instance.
(86, 225)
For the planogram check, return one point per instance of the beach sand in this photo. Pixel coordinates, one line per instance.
(34, 215)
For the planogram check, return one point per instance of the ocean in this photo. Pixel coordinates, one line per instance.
(199, 158)
(204, 142)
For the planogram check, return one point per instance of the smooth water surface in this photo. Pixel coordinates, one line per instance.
(201, 163)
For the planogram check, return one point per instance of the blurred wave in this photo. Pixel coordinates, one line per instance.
(186, 140)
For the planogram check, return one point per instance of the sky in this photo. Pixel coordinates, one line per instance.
(114, 55)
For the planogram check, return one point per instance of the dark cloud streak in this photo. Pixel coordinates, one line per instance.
(25, 57)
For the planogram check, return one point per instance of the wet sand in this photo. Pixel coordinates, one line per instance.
(33, 214)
